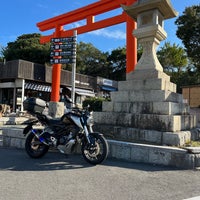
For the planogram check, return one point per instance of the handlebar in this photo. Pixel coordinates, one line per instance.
(85, 110)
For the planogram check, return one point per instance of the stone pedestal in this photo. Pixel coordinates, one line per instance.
(146, 107)
(148, 110)
(56, 109)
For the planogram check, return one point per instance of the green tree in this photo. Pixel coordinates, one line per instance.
(91, 61)
(174, 61)
(189, 32)
(139, 51)
(117, 61)
(1, 55)
(28, 47)
(173, 58)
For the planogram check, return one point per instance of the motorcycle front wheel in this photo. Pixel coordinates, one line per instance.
(96, 151)
(35, 148)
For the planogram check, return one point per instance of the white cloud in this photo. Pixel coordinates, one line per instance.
(78, 24)
(74, 25)
(43, 6)
(115, 34)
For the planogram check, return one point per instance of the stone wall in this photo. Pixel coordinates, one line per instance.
(12, 137)
(147, 109)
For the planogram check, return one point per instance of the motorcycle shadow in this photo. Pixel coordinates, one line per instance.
(18, 160)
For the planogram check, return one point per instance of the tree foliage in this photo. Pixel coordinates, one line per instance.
(189, 32)
(91, 61)
(174, 61)
(173, 58)
(139, 51)
(117, 62)
(27, 47)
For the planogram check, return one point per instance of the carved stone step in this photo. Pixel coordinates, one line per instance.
(163, 108)
(148, 84)
(171, 123)
(146, 96)
(140, 74)
(129, 134)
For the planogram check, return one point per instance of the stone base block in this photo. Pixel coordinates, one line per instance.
(146, 96)
(12, 120)
(165, 123)
(148, 84)
(176, 139)
(163, 108)
(13, 137)
(145, 136)
(139, 74)
(56, 109)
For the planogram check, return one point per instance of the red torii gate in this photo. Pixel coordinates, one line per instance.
(88, 13)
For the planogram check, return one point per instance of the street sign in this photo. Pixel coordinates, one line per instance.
(62, 53)
(65, 40)
(56, 46)
(63, 50)
(62, 60)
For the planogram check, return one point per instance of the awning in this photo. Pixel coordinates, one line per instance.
(83, 92)
(108, 88)
(37, 87)
(46, 88)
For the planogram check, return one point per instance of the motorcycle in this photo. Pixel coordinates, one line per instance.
(72, 129)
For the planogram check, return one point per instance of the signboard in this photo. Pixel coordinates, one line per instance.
(62, 60)
(63, 50)
(65, 40)
(56, 46)
(62, 53)
(107, 82)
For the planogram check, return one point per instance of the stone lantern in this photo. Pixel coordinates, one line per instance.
(146, 107)
(150, 16)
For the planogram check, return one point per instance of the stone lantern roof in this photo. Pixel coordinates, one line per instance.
(164, 6)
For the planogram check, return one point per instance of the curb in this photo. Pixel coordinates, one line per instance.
(152, 154)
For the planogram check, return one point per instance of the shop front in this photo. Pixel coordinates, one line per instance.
(21, 79)
(105, 86)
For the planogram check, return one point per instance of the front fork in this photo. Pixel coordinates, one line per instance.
(87, 134)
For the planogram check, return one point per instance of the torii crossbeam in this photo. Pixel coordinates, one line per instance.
(88, 13)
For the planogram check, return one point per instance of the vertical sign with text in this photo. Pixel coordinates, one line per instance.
(63, 50)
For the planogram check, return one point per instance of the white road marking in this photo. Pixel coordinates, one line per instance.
(193, 198)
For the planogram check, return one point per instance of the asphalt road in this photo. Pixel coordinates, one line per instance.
(56, 176)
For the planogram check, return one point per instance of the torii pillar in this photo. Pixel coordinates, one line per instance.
(88, 14)
(56, 72)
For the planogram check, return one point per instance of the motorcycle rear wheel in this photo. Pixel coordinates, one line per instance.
(35, 148)
(97, 153)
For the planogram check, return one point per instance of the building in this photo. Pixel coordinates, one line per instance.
(20, 79)
(192, 94)
(105, 86)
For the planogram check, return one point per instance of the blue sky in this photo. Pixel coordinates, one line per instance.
(20, 17)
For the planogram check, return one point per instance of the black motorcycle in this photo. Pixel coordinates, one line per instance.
(73, 128)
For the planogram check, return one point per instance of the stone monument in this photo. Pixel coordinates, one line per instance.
(146, 107)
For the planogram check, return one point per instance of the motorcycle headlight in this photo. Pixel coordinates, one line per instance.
(90, 120)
